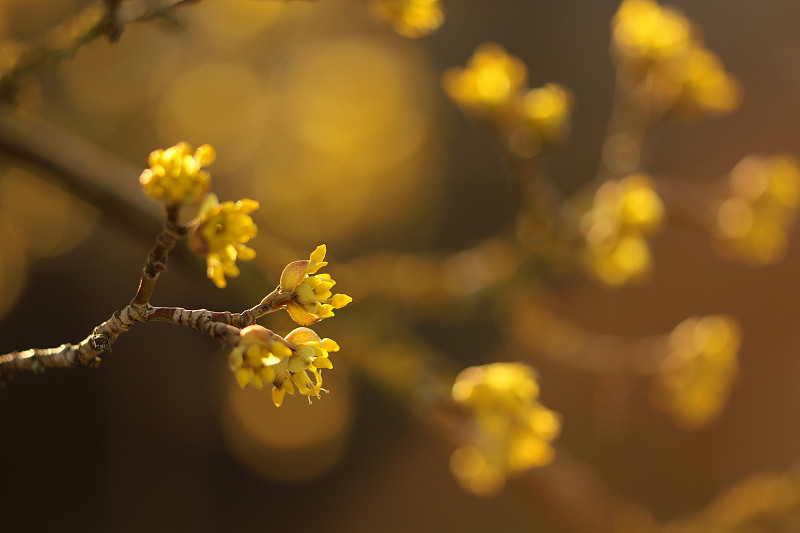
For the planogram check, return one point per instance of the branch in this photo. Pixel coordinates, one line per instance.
(108, 17)
(157, 258)
(221, 325)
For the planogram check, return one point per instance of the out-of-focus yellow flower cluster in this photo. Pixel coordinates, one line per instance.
(410, 18)
(658, 51)
(493, 87)
(220, 234)
(752, 222)
(176, 175)
(622, 214)
(696, 376)
(261, 357)
(512, 430)
(312, 297)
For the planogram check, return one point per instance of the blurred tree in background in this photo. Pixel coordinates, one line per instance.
(567, 228)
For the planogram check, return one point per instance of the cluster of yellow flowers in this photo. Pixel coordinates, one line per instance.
(493, 87)
(695, 378)
(622, 214)
(410, 18)
(263, 358)
(220, 234)
(657, 48)
(176, 176)
(761, 204)
(512, 430)
(313, 299)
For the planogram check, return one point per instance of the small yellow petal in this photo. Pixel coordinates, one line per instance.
(300, 315)
(340, 300)
(277, 396)
(318, 255)
(323, 362)
(330, 345)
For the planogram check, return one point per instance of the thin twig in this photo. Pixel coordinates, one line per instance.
(157, 258)
(108, 17)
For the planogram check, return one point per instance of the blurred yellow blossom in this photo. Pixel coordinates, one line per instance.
(491, 81)
(696, 376)
(763, 196)
(176, 175)
(512, 429)
(642, 30)
(657, 44)
(410, 18)
(261, 357)
(546, 111)
(614, 228)
(220, 233)
(703, 86)
(312, 299)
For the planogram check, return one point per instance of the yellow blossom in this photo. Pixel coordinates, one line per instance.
(176, 175)
(623, 212)
(312, 299)
(546, 110)
(491, 81)
(700, 84)
(512, 429)
(763, 196)
(263, 358)
(696, 375)
(656, 44)
(220, 233)
(410, 18)
(642, 30)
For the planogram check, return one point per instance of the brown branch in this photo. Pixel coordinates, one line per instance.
(221, 325)
(157, 258)
(108, 17)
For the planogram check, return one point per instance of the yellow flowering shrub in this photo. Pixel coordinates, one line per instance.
(512, 430)
(695, 378)
(312, 298)
(623, 212)
(176, 175)
(221, 233)
(751, 223)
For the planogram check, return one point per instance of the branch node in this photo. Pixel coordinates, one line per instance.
(100, 342)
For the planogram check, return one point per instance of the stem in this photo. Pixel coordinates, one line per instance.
(157, 258)
(221, 325)
(103, 18)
